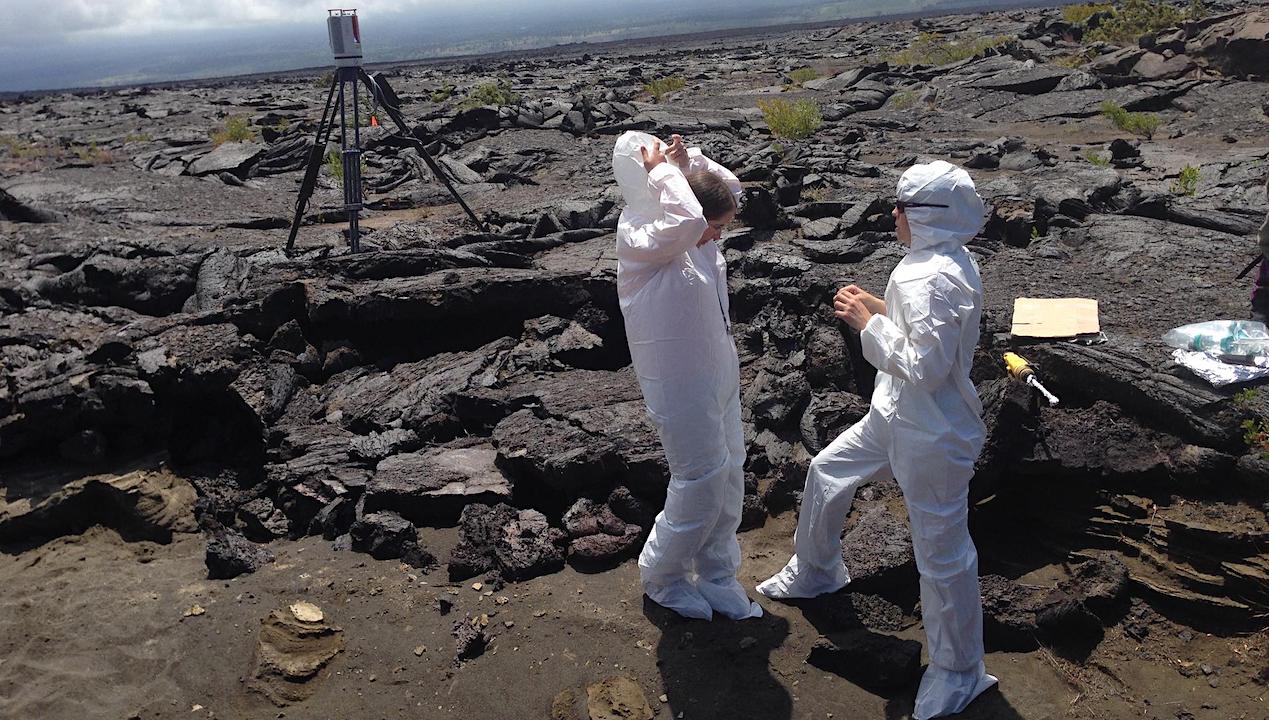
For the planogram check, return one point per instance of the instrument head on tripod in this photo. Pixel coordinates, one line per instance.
(345, 36)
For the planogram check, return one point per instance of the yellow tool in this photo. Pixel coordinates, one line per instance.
(1020, 369)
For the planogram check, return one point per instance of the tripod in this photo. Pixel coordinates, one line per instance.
(345, 83)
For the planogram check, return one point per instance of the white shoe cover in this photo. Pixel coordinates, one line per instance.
(682, 597)
(791, 584)
(946, 692)
(727, 597)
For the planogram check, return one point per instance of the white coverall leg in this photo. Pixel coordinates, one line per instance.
(719, 558)
(673, 296)
(925, 419)
(856, 458)
(693, 435)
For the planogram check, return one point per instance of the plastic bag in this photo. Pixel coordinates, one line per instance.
(1237, 338)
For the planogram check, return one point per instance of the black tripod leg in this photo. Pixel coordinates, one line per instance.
(1250, 266)
(313, 166)
(394, 112)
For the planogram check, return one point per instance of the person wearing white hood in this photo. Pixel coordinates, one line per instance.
(672, 288)
(924, 428)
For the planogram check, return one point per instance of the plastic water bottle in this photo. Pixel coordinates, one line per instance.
(1225, 337)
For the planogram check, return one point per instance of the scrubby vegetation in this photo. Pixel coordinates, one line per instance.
(236, 128)
(496, 94)
(1256, 435)
(1137, 123)
(902, 100)
(1096, 159)
(935, 49)
(803, 75)
(1079, 14)
(443, 93)
(1134, 18)
(791, 120)
(335, 165)
(1187, 182)
(661, 87)
(94, 155)
(19, 147)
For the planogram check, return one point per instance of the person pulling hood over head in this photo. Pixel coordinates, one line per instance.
(672, 288)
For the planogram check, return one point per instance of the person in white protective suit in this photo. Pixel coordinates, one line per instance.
(924, 428)
(672, 287)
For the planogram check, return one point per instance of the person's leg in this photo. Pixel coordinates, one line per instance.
(1260, 294)
(936, 492)
(691, 430)
(719, 558)
(857, 457)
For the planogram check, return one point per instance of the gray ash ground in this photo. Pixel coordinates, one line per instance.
(379, 434)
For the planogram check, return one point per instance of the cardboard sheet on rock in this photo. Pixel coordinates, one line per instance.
(1053, 318)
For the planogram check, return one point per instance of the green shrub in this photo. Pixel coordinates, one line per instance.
(803, 75)
(335, 165)
(1187, 182)
(236, 128)
(1256, 435)
(496, 94)
(1143, 124)
(94, 155)
(1079, 14)
(324, 80)
(21, 148)
(792, 120)
(817, 194)
(1096, 159)
(1246, 397)
(1134, 18)
(661, 87)
(1073, 62)
(442, 94)
(136, 137)
(934, 49)
(902, 100)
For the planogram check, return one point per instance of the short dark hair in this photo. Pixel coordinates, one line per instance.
(712, 193)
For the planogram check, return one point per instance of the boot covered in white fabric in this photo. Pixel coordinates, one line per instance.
(728, 598)
(947, 692)
(682, 597)
(797, 582)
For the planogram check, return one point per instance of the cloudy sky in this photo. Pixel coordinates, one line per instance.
(68, 20)
(82, 43)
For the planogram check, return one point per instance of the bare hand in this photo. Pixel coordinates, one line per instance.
(875, 305)
(852, 310)
(677, 153)
(652, 156)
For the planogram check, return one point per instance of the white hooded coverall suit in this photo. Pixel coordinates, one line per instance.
(924, 428)
(673, 296)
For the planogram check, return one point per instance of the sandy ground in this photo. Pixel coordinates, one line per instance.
(94, 627)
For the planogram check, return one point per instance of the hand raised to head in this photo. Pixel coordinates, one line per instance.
(677, 152)
(652, 156)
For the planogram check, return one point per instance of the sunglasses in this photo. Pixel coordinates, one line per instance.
(901, 205)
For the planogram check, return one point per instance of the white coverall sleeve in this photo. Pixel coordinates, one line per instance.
(698, 162)
(925, 356)
(680, 227)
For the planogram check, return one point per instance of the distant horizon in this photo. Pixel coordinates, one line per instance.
(175, 56)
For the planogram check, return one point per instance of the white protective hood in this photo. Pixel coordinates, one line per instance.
(627, 166)
(945, 184)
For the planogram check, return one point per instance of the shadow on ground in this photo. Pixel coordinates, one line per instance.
(720, 669)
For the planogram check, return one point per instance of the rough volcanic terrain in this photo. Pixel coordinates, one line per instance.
(410, 482)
